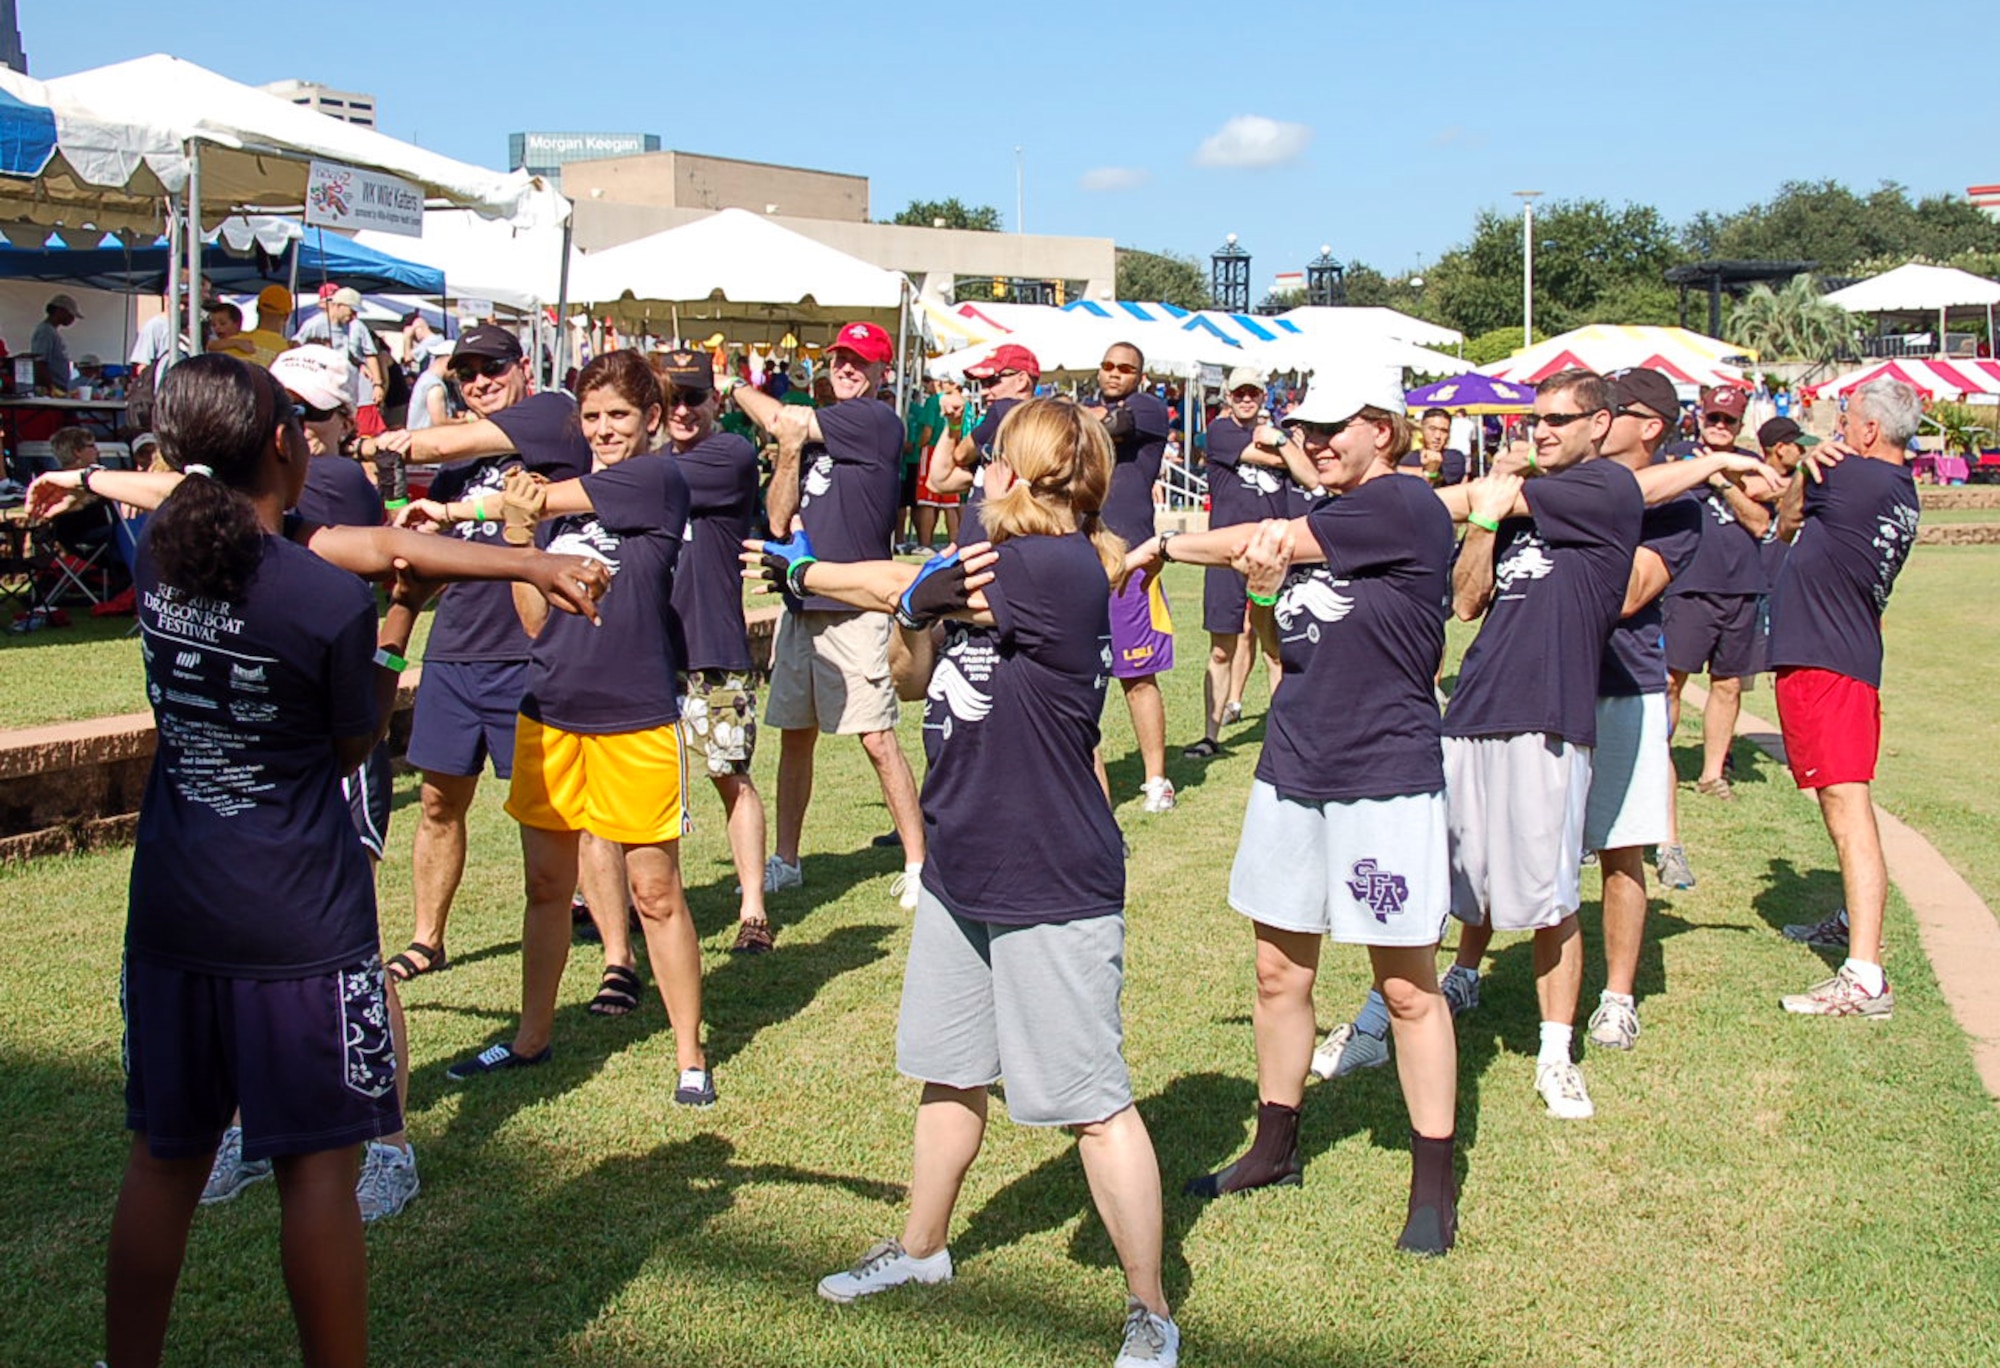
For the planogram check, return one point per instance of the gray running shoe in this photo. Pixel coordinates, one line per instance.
(1150, 1341)
(1614, 1025)
(884, 1266)
(1830, 934)
(230, 1174)
(1460, 989)
(779, 876)
(1674, 870)
(1346, 1050)
(388, 1181)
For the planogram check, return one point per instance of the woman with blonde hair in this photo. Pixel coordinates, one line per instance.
(1017, 954)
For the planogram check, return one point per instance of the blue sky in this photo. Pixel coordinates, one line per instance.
(1378, 128)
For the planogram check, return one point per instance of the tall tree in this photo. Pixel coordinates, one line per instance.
(1791, 324)
(1169, 277)
(949, 213)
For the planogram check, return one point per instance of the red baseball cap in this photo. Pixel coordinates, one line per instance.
(1010, 356)
(866, 341)
(328, 291)
(1724, 399)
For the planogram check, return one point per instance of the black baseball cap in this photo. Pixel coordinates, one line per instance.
(490, 341)
(688, 370)
(1642, 387)
(1784, 430)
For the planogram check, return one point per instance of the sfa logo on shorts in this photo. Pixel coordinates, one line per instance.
(1385, 893)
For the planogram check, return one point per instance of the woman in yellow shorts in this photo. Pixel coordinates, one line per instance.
(597, 748)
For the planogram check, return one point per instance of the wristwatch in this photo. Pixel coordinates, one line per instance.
(83, 476)
(1166, 538)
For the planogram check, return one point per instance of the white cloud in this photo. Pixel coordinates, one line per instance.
(1253, 140)
(1115, 178)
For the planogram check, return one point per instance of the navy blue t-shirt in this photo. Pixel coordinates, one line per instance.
(1128, 508)
(1635, 659)
(245, 863)
(1241, 491)
(1559, 580)
(1451, 467)
(1728, 561)
(850, 486)
(616, 675)
(1356, 714)
(1860, 523)
(338, 493)
(721, 475)
(1018, 831)
(475, 621)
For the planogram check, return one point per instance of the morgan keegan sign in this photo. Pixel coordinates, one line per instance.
(347, 197)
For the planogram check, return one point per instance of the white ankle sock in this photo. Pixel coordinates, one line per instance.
(1870, 976)
(1556, 1039)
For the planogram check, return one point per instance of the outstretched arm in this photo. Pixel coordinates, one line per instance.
(572, 583)
(1662, 482)
(1488, 501)
(767, 413)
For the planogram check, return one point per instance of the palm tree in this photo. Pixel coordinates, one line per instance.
(1792, 324)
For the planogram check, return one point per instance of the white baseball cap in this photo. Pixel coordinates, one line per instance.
(318, 375)
(435, 346)
(1245, 377)
(1337, 399)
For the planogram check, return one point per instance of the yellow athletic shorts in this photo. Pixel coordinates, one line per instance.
(629, 787)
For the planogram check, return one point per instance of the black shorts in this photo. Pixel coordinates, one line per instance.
(1225, 597)
(909, 490)
(465, 713)
(309, 1062)
(367, 791)
(1712, 632)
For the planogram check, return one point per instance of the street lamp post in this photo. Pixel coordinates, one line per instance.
(1229, 277)
(1326, 279)
(1527, 198)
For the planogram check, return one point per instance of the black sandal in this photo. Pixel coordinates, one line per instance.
(402, 968)
(617, 993)
(1204, 749)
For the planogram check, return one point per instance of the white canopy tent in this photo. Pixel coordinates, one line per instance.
(213, 147)
(516, 265)
(108, 174)
(1371, 320)
(1923, 290)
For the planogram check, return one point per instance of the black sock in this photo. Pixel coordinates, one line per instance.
(1272, 1159)
(1432, 1227)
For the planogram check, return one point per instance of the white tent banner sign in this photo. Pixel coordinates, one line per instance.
(348, 197)
(475, 309)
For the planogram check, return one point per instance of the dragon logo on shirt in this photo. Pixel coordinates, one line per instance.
(1526, 559)
(819, 477)
(1311, 597)
(587, 538)
(963, 700)
(1256, 479)
(1383, 893)
(490, 480)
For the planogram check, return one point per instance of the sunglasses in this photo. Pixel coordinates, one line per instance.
(1721, 420)
(687, 398)
(1627, 411)
(1326, 432)
(988, 381)
(315, 415)
(1119, 368)
(1563, 420)
(1246, 394)
(491, 368)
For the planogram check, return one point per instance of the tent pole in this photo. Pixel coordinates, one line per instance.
(902, 355)
(562, 307)
(173, 288)
(194, 247)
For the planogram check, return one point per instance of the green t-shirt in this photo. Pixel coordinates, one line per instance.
(925, 422)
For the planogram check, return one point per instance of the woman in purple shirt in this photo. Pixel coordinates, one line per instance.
(1344, 835)
(1017, 954)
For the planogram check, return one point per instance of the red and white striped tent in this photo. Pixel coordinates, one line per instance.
(1687, 358)
(1952, 380)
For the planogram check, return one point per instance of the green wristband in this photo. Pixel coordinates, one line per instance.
(389, 660)
(1531, 459)
(1263, 600)
(1481, 520)
(393, 504)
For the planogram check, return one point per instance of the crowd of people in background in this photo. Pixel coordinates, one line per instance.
(592, 649)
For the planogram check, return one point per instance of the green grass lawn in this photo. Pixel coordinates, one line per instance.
(1756, 1189)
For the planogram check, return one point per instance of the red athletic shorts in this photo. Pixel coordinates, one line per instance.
(1832, 725)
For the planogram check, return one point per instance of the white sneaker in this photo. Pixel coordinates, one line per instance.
(1615, 1024)
(779, 876)
(1159, 794)
(1461, 990)
(230, 1175)
(388, 1181)
(1149, 1340)
(1232, 712)
(906, 887)
(1346, 1050)
(1561, 1087)
(884, 1266)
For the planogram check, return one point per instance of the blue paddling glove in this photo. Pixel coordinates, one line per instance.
(938, 589)
(785, 563)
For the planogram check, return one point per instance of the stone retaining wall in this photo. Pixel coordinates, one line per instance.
(1959, 496)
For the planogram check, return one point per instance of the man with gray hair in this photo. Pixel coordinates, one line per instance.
(1857, 519)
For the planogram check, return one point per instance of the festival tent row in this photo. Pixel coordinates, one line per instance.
(1978, 380)
(145, 269)
(1689, 359)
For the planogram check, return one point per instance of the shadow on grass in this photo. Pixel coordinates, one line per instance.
(1127, 773)
(830, 876)
(1790, 895)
